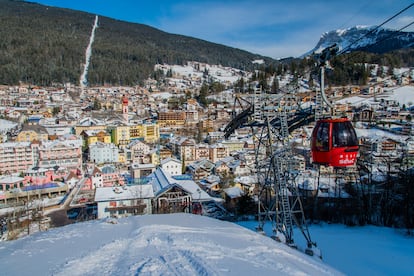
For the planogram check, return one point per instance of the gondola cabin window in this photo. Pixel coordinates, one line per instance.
(344, 135)
(322, 137)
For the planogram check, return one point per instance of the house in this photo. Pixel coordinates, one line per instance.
(231, 197)
(169, 196)
(139, 147)
(246, 183)
(121, 135)
(96, 179)
(171, 119)
(111, 176)
(92, 136)
(201, 169)
(124, 201)
(39, 176)
(31, 132)
(239, 168)
(221, 168)
(101, 153)
(172, 195)
(17, 156)
(185, 148)
(172, 166)
(218, 152)
(211, 184)
(214, 136)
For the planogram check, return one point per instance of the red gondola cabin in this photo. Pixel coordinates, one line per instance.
(334, 143)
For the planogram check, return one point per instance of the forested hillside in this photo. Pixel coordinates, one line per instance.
(44, 45)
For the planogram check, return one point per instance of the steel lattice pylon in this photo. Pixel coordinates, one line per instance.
(277, 196)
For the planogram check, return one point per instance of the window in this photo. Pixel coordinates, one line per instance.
(343, 135)
(322, 137)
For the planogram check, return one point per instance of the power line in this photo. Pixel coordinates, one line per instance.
(376, 28)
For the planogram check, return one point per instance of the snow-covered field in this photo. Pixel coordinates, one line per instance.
(366, 250)
(402, 95)
(184, 244)
(175, 244)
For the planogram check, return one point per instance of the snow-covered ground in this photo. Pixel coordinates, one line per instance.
(402, 95)
(184, 244)
(175, 244)
(366, 250)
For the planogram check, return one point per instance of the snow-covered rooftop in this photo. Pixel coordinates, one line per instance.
(123, 193)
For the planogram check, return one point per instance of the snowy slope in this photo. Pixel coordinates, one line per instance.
(175, 244)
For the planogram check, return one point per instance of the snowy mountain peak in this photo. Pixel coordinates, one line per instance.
(365, 38)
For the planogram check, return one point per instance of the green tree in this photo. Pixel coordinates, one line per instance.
(96, 105)
(202, 97)
(246, 205)
(55, 110)
(275, 85)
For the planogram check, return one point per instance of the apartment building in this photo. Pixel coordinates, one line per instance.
(16, 157)
(101, 153)
(172, 119)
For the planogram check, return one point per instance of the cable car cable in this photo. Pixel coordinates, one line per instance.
(377, 27)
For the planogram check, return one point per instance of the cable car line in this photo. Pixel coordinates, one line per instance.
(377, 27)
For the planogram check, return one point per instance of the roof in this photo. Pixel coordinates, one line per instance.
(169, 159)
(10, 179)
(162, 181)
(123, 193)
(108, 169)
(197, 194)
(35, 128)
(234, 192)
(7, 125)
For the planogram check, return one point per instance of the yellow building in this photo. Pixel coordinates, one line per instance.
(31, 132)
(148, 132)
(93, 136)
(121, 135)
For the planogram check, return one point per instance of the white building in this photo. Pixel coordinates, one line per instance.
(124, 201)
(172, 166)
(100, 153)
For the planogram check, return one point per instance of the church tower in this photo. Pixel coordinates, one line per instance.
(125, 108)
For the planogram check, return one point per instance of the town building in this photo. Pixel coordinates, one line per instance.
(101, 153)
(117, 202)
(172, 166)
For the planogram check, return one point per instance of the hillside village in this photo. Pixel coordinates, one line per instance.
(110, 151)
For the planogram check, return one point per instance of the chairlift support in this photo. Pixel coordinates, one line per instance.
(278, 197)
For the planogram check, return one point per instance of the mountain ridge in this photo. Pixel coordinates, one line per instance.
(372, 39)
(44, 45)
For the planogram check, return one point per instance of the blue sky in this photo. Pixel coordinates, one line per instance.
(275, 28)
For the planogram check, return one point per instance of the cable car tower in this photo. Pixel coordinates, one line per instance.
(277, 195)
